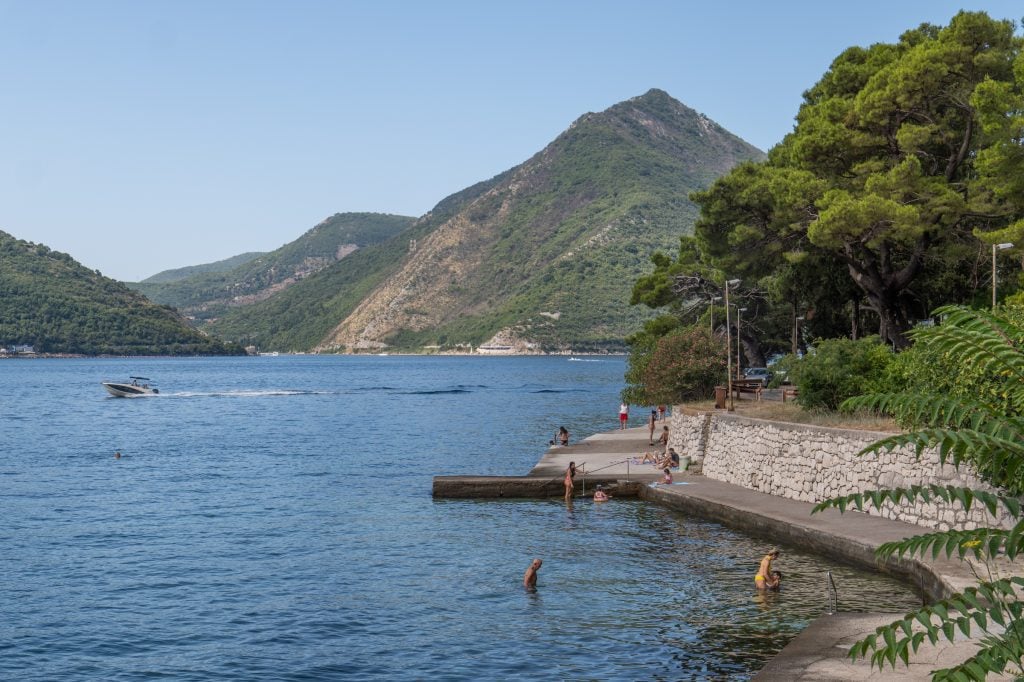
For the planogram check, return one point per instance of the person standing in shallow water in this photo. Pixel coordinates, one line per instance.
(766, 578)
(530, 577)
(570, 473)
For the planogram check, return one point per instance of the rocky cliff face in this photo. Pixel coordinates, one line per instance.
(547, 256)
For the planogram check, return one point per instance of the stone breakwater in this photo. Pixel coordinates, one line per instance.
(811, 464)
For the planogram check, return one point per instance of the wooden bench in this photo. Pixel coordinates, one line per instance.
(788, 392)
(747, 386)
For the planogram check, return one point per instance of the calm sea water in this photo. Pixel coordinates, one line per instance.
(272, 519)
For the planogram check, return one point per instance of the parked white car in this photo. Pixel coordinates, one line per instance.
(761, 373)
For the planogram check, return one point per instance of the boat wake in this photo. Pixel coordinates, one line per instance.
(242, 393)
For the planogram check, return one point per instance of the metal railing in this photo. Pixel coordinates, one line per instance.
(583, 489)
(832, 594)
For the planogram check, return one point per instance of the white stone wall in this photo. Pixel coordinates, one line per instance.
(812, 464)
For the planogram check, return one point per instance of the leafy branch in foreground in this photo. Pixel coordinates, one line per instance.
(988, 606)
(986, 431)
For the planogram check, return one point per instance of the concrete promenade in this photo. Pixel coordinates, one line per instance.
(819, 653)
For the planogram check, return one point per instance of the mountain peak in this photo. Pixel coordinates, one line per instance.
(582, 215)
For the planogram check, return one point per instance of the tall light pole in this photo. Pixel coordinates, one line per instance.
(796, 333)
(711, 312)
(739, 342)
(997, 247)
(728, 342)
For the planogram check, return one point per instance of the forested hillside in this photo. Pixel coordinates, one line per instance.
(53, 303)
(226, 265)
(208, 294)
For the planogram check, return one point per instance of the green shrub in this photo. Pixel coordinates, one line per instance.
(685, 365)
(837, 369)
(641, 348)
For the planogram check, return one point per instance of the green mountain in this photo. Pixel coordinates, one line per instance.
(541, 257)
(298, 318)
(226, 265)
(209, 293)
(53, 303)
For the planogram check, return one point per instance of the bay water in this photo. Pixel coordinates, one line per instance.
(272, 518)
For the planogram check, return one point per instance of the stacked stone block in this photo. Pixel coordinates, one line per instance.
(811, 464)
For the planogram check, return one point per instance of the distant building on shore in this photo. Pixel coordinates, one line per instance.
(491, 349)
(17, 349)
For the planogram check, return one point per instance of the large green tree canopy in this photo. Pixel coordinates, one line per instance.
(902, 154)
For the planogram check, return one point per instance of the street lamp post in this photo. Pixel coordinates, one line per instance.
(796, 333)
(728, 343)
(711, 312)
(739, 342)
(997, 247)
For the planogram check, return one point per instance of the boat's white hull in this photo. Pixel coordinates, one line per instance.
(128, 390)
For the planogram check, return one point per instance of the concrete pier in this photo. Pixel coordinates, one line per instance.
(605, 458)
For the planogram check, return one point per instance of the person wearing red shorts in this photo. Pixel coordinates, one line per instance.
(623, 415)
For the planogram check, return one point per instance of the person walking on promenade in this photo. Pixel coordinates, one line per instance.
(661, 412)
(623, 415)
(570, 473)
(765, 578)
(651, 423)
(530, 577)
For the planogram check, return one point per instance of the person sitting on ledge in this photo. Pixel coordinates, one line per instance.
(668, 476)
(648, 457)
(669, 461)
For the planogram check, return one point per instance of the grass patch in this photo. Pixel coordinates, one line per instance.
(776, 410)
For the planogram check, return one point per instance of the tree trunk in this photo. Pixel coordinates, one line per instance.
(893, 322)
(752, 350)
(883, 289)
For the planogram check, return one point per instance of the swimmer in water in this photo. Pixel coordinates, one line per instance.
(530, 577)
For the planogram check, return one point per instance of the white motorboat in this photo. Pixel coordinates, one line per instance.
(136, 386)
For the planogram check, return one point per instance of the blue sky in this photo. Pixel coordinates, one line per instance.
(140, 136)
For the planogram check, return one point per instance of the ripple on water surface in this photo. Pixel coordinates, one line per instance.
(271, 519)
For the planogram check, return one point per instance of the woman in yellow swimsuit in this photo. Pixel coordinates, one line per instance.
(764, 580)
